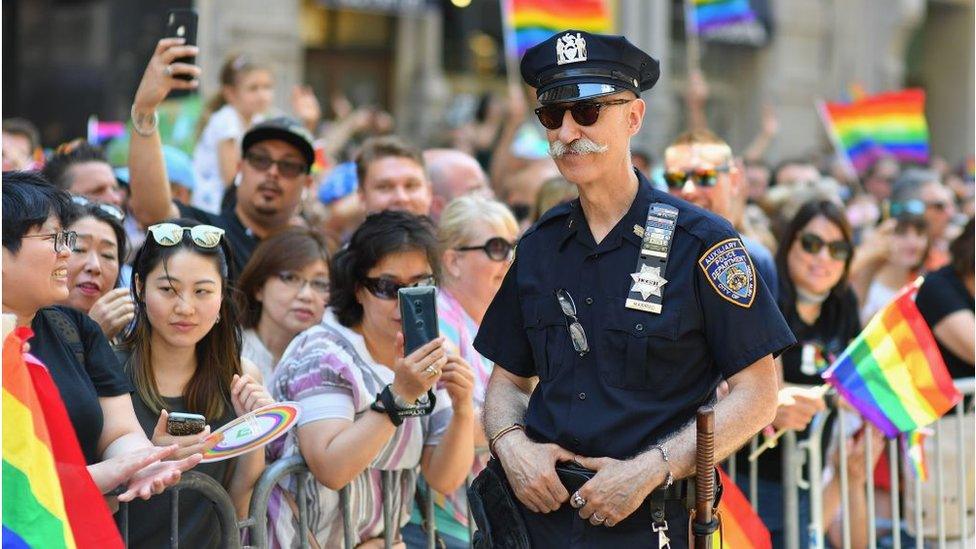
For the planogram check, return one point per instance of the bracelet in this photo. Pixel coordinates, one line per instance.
(138, 119)
(385, 403)
(669, 479)
(500, 434)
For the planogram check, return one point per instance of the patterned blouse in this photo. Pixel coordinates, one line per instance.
(328, 370)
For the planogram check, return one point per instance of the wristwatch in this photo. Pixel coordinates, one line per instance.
(403, 403)
(386, 403)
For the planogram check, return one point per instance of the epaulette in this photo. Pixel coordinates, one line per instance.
(559, 211)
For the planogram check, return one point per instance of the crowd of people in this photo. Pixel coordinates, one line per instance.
(222, 283)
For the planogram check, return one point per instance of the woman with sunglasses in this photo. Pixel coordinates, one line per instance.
(93, 269)
(369, 410)
(184, 355)
(36, 250)
(282, 292)
(477, 241)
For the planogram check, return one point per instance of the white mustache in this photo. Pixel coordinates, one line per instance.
(558, 149)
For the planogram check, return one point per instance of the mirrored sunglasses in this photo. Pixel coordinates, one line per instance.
(703, 177)
(111, 210)
(171, 234)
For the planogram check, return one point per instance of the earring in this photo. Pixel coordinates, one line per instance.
(218, 318)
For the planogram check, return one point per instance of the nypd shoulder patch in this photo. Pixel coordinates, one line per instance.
(729, 270)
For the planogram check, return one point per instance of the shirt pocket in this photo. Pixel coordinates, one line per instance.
(640, 350)
(548, 334)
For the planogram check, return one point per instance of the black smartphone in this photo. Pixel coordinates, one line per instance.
(182, 424)
(418, 316)
(182, 23)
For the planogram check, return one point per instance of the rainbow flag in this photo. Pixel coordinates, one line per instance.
(709, 15)
(892, 372)
(529, 22)
(913, 446)
(891, 123)
(740, 526)
(100, 131)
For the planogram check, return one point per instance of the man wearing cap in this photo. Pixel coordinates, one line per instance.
(277, 156)
(620, 315)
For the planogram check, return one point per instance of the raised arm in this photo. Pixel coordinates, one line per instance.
(151, 201)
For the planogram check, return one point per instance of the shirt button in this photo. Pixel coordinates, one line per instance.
(576, 441)
(582, 396)
(589, 301)
(639, 327)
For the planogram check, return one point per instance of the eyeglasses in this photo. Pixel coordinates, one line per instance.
(703, 177)
(386, 288)
(171, 234)
(576, 332)
(912, 206)
(287, 168)
(585, 113)
(938, 205)
(296, 282)
(62, 239)
(838, 249)
(496, 248)
(111, 210)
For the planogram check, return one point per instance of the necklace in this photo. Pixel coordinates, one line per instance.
(804, 296)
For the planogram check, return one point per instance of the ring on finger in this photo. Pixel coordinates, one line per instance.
(609, 523)
(168, 70)
(431, 371)
(597, 518)
(577, 501)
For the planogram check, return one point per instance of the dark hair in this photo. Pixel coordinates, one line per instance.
(380, 235)
(23, 127)
(963, 252)
(218, 354)
(94, 209)
(28, 201)
(807, 212)
(290, 250)
(68, 154)
(377, 148)
(917, 222)
(774, 176)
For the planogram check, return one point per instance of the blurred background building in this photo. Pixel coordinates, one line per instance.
(432, 62)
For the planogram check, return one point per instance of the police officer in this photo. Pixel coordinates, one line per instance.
(622, 312)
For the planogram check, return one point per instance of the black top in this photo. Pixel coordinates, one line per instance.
(80, 383)
(241, 240)
(941, 294)
(149, 520)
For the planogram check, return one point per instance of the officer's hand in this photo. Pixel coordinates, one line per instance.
(616, 491)
(417, 372)
(797, 406)
(531, 471)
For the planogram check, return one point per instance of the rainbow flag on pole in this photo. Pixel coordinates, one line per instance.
(892, 372)
(740, 526)
(529, 22)
(891, 123)
(710, 15)
(913, 446)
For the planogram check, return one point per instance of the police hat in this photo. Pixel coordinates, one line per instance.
(574, 65)
(285, 129)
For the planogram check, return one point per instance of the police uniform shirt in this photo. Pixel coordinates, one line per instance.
(645, 374)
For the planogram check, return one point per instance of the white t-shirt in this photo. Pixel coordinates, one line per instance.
(226, 123)
(878, 296)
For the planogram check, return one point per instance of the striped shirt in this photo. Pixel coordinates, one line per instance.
(330, 373)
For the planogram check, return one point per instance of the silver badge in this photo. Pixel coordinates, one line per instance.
(570, 49)
(648, 281)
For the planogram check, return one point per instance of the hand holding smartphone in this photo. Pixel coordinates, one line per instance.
(418, 316)
(182, 23)
(182, 424)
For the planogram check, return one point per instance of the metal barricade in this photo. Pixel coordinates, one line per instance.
(210, 489)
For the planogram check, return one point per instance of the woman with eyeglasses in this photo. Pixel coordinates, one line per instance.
(93, 269)
(477, 241)
(282, 292)
(184, 355)
(36, 250)
(369, 410)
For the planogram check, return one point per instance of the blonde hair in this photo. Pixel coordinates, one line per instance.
(705, 138)
(460, 218)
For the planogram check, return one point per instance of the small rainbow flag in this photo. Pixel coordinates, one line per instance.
(710, 15)
(741, 527)
(913, 446)
(892, 372)
(891, 123)
(529, 22)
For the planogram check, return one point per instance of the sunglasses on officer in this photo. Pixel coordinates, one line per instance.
(496, 248)
(585, 113)
(701, 177)
(171, 234)
(387, 288)
(839, 250)
(576, 333)
(287, 168)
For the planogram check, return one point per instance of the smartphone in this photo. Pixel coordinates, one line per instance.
(418, 316)
(182, 23)
(182, 424)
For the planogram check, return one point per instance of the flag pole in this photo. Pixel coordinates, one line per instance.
(509, 42)
(692, 42)
(772, 440)
(821, 107)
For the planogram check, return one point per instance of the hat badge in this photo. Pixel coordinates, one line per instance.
(570, 49)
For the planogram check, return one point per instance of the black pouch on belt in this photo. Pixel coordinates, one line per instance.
(500, 524)
(573, 475)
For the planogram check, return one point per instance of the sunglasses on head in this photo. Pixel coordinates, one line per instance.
(585, 113)
(496, 248)
(702, 177)
(838, 249)
(171, 234)
(387, 288)
(111, 210)
(287, 168)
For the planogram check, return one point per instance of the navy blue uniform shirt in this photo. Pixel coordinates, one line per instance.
(645, 374)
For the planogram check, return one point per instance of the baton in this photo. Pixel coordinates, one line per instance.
(704, 524)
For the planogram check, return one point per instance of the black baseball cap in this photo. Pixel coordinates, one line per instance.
(574, 65)
(286, 129)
